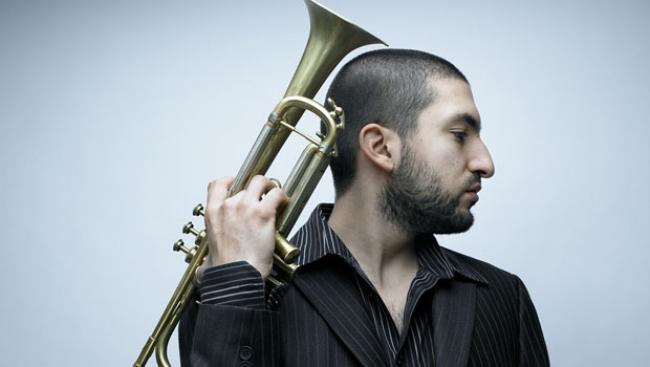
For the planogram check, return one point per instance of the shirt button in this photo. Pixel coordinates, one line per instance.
(400, 361)
(245, 353)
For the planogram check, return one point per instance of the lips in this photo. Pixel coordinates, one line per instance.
(472, 192)
(475, 188)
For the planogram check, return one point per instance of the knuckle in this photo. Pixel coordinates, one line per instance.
(238, 205)
(219, 208)
(214, 209)
(258, 179)
(276, 191)
(278, 195)
(265, 212)
(220, 182)
(229, 204)
(213, 185)
(271, 198)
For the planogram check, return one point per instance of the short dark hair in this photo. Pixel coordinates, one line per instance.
(388, 87)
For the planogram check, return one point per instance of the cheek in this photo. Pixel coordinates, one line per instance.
(445, 159)
(450, 182)
(448, 160)
(450, 169)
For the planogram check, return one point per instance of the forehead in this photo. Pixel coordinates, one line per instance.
(452, 102)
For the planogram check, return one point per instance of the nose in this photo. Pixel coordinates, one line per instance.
(481, 162)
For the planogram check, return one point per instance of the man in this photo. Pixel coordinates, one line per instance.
(375, 289)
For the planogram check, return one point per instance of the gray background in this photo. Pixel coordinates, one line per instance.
(115, 115)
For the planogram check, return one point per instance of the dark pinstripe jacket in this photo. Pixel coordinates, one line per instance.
(483, 316)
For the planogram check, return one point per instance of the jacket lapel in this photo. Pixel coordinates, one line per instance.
(335, 296)
(454, 308)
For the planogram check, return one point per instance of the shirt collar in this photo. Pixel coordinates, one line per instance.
(430, 254)
(316, 239)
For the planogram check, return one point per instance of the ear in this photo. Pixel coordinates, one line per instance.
(380, 146)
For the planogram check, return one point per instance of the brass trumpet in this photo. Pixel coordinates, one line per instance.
(330, 39)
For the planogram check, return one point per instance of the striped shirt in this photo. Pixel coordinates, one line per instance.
(240, 284)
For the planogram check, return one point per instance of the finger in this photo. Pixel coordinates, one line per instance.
(258, 186)
(228, 180)
(274, 200)
(218, 191)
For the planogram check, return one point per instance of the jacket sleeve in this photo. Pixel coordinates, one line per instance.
(532, 348)
(230, 327)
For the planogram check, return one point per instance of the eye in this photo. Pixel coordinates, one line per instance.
(460, 136)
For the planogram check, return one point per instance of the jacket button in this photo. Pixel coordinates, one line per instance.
(245, 353)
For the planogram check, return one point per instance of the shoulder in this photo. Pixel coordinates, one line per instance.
(506, 318)
(497, 290)
(488, 274)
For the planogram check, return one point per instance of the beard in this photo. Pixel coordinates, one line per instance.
(416, 201)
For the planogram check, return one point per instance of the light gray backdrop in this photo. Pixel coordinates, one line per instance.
(114, 115)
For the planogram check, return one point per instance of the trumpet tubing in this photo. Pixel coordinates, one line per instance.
(330, 39)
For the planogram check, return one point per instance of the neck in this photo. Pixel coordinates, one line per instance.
(384, 251)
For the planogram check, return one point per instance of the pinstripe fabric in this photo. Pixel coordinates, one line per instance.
(415, 345)
(459, 312)
(236, 284)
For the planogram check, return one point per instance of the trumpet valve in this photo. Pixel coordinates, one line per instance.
(198, 210)
(179, 245)
(189, 228)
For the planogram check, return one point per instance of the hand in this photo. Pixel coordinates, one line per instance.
(242, 227)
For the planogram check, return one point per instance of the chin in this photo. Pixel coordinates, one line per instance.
(464, 222)
(460, 223)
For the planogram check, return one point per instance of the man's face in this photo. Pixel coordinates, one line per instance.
(439, 173)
